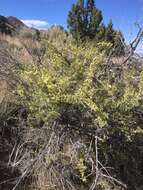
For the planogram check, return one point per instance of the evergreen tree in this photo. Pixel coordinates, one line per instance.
(85, 23)
(101, 33)
(110, 33)
(115, 38)
(76, 20)
(84, 20)
(90, 4)
(95, 22)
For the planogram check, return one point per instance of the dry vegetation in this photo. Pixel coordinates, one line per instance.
(74, 149)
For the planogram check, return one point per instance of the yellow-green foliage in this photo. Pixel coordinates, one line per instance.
(81, 167)
(74, 75)
(65, 77)
(122, 107)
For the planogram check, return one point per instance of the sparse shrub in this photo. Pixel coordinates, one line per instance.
(55, 34)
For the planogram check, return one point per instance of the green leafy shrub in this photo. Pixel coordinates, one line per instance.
(76, 88)
(77, 76)
(66, 77)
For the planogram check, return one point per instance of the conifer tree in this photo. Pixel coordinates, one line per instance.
(90, 4)
(84, 20)
(110, 33)
(85, 23)
(115, 38)
(76, 20)
(95, 22)
(101, 33)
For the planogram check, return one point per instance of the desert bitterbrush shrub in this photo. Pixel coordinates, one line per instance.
(78, 76)
(65, 77)
(76, 88)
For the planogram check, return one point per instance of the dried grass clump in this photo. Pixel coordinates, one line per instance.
(55, 34)
(57, 157)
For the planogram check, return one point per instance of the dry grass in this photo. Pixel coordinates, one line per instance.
(17, 48)
(4, 90)
(49, 156)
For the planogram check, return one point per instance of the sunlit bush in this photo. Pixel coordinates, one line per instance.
(86, 96)
(65, 77)
(79, 76)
